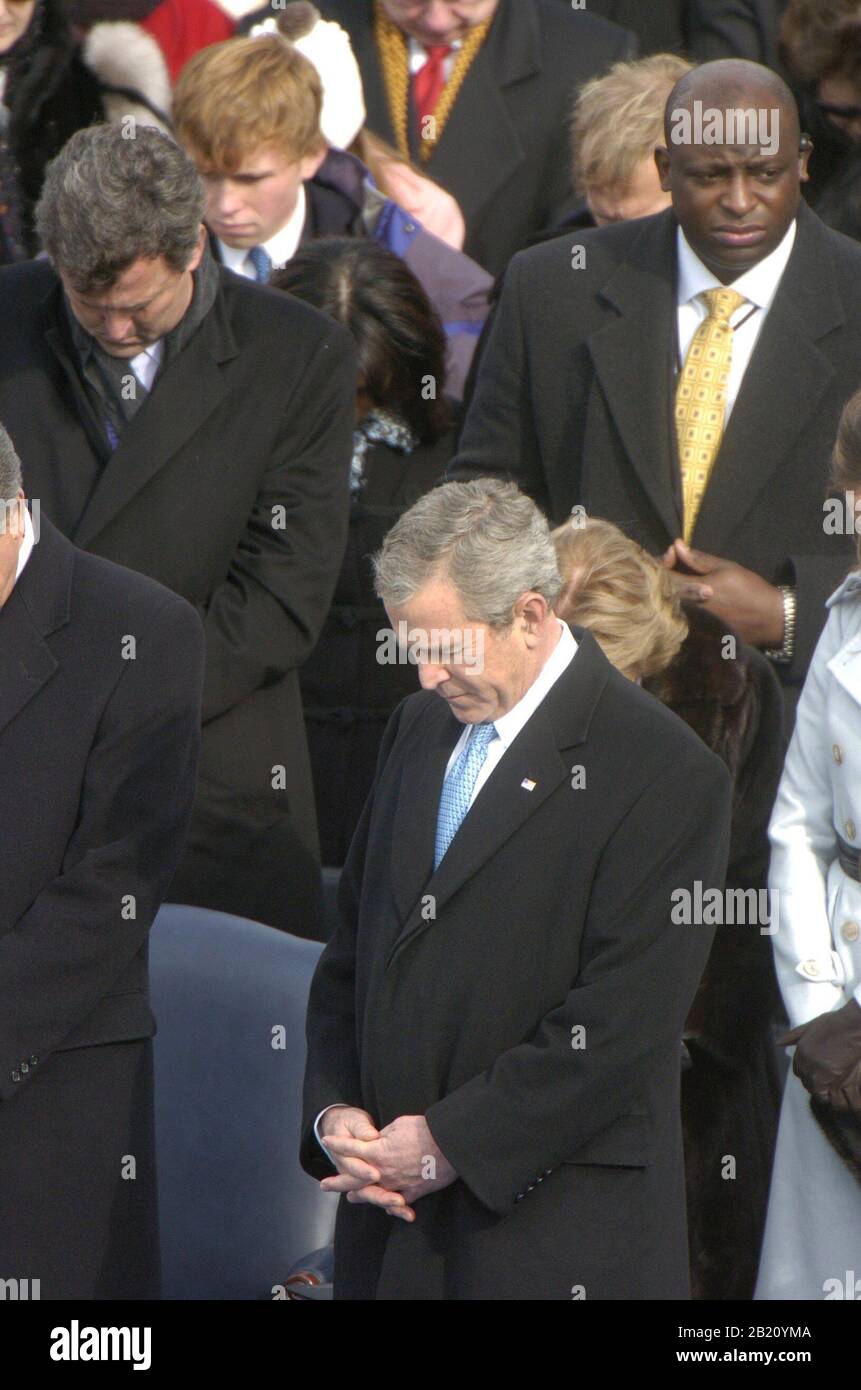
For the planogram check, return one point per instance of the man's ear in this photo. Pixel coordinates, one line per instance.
(804, 153)
(532, 610)
(197, 253)
(14, 515)
(311, 163)
(662, 161)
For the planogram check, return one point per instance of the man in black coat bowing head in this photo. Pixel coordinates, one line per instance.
(185, 422)
(101, 672)
(494, 1030)
(478, 93)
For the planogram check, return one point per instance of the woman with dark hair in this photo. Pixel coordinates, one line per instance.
(51, 86)
(813, 1232)
(404, 439)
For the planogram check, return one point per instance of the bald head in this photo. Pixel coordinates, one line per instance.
(733, 163)
(733, 84)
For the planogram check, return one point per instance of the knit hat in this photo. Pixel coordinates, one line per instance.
(328, 47)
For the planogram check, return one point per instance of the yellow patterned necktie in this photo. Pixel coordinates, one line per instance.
(701, 399)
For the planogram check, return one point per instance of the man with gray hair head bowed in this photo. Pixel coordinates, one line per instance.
(196, 427)
(100, 679)
(494, 1030)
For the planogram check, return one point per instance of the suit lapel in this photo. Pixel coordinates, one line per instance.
(26, 664)
(785, 381)
(416, 815)
(36, 607)
(480, 121)
(502, 806)
(633, 358)
(190, 388)
(94, 430)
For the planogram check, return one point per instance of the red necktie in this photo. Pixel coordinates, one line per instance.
(430, 80)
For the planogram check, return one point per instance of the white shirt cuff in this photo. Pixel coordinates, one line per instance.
(339, 1104)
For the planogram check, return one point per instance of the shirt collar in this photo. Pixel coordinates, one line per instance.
(758, 285)
(147, 362)
(26, 545)
(280, 247)
(152, 350)
(417, 48)
(508, 725)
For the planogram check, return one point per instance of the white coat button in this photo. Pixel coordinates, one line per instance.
(837, 751)
(811, 967)
(850, 830)
(850, 931)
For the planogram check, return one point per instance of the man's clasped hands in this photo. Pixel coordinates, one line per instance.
(389, 1168)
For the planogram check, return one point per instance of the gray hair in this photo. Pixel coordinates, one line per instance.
(485, 537)
(114, 195)
(11, 481)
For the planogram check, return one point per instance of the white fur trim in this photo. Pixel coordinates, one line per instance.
(238, 9)
(329, 48)
(123, 54)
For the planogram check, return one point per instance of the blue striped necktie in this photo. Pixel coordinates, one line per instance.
(458, 786)
(262, 262)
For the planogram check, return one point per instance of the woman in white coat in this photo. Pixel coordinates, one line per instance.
(812, 1245)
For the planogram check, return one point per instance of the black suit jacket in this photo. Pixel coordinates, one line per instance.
(504, 152)
(574, 401)
(99, 752)
(455, 995)
(99, 743)
(735, 29)
(658, 24)
(229, 486)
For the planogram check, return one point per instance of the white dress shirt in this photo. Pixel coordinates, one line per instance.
(508, 726)
(146, 364)
(759, 285)
(280, 248)
(26, 545)
(419, 56)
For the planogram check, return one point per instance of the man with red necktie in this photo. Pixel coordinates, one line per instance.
(478, 94)
(429, 81)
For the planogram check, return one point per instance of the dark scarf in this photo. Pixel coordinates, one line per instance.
(106, 377)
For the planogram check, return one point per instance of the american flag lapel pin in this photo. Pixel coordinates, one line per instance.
(528, 784)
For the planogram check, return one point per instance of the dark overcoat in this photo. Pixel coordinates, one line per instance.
(99, 742)
(528, 997)
(229, 486)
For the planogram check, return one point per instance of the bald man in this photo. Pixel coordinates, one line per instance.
(588, 388)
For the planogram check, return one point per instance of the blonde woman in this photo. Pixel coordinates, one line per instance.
(729, 695)
(813, 1235)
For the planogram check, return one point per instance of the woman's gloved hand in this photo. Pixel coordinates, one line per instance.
(828, 1056)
